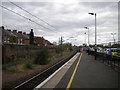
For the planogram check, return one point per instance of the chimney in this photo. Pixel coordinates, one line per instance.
(14, 31)
(24, 33)
(20, 32)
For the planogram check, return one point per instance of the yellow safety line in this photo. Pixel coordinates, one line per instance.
(72, 77)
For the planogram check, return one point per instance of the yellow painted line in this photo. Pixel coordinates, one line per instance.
(72, 77)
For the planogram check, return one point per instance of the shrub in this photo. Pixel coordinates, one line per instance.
(59, 50)
(70, 48)
(42, 57)
(28, 66)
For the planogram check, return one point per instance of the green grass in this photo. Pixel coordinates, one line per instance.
(22, 67)
(14, 69)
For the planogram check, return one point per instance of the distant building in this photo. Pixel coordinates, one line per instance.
(21, 38)
(39, 41)
(42, 42)
(18, 37)
(6, 35)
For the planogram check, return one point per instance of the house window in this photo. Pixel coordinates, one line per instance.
(5, 39)
(18, 41)
(21, 41)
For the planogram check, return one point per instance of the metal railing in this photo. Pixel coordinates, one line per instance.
(110, 60)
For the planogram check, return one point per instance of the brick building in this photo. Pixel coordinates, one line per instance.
(14, 37)
(21, 38)
(42, 42)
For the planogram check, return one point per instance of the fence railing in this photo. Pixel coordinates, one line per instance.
(110, 60)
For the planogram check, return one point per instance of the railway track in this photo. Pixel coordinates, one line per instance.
(36, 80)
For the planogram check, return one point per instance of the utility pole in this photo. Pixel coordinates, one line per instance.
(85, 38)
(61, 43)
(61, 40)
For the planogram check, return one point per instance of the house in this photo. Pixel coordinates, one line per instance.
(47, 43)
(22, 37)
(26, 38)
(42, 42)
(7, 36)
(14, 37)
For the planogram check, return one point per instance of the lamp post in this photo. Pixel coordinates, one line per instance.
(85, 38)
(88, 35)
(113, 36)
(95, 35)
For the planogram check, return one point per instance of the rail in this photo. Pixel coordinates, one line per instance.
(33, 82)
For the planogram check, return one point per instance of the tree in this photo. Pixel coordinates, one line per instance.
(68, 46)
(116, 46)
(12, 39)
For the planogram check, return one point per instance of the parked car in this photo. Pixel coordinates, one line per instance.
(99, 49)
(113, 51)
(106, 50)
(118, 52)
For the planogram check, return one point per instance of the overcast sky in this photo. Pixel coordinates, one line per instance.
(67, 18)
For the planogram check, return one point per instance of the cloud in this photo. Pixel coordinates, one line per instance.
(68, 19)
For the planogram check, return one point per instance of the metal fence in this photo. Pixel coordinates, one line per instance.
(110, 60)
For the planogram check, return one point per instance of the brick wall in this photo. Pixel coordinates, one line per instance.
(11, 53)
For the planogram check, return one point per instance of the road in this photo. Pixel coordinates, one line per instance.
(83, 72)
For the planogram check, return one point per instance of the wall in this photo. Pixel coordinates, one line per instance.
(11, 53)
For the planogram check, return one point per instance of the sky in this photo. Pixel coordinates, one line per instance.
(64, 19)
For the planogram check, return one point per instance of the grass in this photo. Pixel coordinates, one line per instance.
(23, 65)
(14, 69)
(58, 55)
(18, 68)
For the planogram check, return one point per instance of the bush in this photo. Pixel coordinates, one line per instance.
(28, 66)
(42, 57)
(59, 50)
(70, 48)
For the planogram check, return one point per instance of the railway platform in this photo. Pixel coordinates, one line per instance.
(82, 71)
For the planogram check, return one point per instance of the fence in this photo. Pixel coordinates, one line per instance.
(110, 60)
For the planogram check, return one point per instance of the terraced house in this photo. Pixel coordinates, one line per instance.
(21, 38)
(14, 37)
(42, 42)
